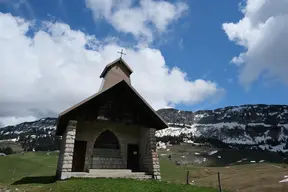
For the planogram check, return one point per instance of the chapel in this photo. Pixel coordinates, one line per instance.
(110, 134)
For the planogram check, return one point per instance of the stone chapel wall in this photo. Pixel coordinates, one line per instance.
(149, 157)
(61, 155)
(95, 158)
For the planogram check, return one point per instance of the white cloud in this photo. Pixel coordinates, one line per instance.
(143, 20)
(43, 75)
(263, 32)
(15, 120)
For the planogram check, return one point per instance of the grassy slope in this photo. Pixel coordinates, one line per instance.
(15, 167)
(124, 185)
(245, 177)
(33, 171)
(248, 178)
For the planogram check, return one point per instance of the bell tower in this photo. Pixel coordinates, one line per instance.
(115, 72)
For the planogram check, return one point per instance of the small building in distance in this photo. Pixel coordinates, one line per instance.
(110, 134)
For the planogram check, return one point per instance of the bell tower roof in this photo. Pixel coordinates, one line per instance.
(119, 62)
(115, 72)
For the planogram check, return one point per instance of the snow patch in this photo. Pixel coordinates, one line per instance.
(213, 152)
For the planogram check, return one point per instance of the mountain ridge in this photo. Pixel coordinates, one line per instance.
(261, 127)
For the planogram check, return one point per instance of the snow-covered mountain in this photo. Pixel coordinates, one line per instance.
(247, 126)
(36, 135)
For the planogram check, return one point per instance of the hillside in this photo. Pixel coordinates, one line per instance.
(263, 127)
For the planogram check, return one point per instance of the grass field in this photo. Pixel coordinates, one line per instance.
(248, 178)
(235, 175)
(34, 172)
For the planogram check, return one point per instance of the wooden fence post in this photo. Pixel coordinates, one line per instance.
(187, 178)
(219, 182)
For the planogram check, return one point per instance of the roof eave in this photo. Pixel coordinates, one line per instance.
(165, 125)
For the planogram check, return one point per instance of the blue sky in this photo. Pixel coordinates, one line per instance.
(195, 42)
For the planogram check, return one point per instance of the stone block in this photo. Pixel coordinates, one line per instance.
(68, 154)
(157, 177)
(155, 155)
(66, 166)
(156, 173)
(155, 162)
(155, 159)
(69, 150)
(67, 161)
(157, 170)
(156, 166)
(68, 145)
(71, 133)
(70, 137)
(65, 175)
(70, 141)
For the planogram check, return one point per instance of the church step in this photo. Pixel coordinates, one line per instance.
(139, 177)
(110, 171)
(89, 175)
(139, 173)
(116, 173)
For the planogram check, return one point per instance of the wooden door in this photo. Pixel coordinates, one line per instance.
(79, 156)
(133, 157)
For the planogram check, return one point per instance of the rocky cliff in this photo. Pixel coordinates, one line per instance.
(262, 127)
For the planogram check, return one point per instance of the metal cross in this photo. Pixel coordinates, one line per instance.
(121, 53)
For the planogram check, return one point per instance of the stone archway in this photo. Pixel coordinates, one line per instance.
(107, 152)
(107, 140)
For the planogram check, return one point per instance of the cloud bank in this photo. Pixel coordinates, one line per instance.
(263, 32)
(144, 20)
(56, 67)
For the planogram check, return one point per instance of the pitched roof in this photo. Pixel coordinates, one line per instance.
(154, 119)
(114, 63)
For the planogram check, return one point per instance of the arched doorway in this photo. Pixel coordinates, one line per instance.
(107, 152)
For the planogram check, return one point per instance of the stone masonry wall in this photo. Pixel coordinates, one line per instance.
(144, 149)
(61, 155)
(107, 158)
(95, 158)
(66, 152)
(155, 159)
(107, 163)
(149, 156)
(90, 131)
